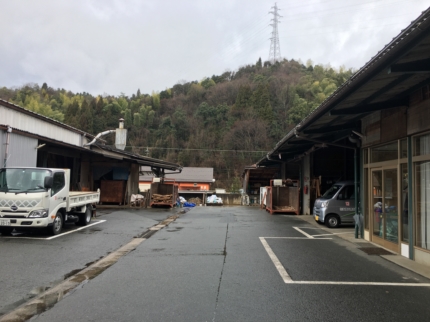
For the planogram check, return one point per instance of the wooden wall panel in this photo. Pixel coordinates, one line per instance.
(371, 128)
(393, 124)
(419, 117)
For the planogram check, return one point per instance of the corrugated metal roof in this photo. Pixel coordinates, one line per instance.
(42, 117)
(140, 159)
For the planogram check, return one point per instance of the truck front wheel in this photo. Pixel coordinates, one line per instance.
(57, 225)
(85, 219)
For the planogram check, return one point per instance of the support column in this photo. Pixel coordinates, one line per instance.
(306, 183)
(410, 201)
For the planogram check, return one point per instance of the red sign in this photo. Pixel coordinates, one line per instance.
(347, 203)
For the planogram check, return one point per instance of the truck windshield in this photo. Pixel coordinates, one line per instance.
(23, 180)
(331, 192)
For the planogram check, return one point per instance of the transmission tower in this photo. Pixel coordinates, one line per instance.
(275, 50)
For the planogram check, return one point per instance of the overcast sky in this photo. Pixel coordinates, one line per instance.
(119, 46)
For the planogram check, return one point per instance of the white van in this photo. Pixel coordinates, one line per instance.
(336, 206)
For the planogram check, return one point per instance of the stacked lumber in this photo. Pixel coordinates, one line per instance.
(167, 199)
(196, 200)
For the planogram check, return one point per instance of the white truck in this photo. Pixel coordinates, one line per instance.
(32, 198)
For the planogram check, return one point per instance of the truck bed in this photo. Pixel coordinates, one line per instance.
(81, 198)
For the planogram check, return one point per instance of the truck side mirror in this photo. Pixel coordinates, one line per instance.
(48, 182)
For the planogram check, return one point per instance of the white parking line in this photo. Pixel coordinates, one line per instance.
(275, 260)
(331, 234)
(288, 280)
(361, 283)
(301, 231)
(66, 233)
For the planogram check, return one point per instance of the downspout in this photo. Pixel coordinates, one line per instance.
(357, 216)
(362, 199)
(6, 155)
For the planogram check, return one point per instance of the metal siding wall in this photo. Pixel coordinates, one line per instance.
(37, 126)
(22, 151)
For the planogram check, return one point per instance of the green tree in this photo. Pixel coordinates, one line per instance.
(99, 121)
(259, 64)
(86, 118)
(72, 114)
(207, 83)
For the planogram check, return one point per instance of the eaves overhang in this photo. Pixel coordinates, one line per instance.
(385, 82)
(109, 151)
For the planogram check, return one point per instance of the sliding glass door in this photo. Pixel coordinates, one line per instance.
(385, 202)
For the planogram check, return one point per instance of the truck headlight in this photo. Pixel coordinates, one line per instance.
(324, 204)
(40, 213)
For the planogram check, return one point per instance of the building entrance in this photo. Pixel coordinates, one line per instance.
(385, 203)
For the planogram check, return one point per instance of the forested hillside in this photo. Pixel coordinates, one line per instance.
(225, 121)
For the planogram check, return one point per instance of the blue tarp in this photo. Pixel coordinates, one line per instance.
(189, 204)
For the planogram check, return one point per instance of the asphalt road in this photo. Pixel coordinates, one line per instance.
(30, 263)
(231, 264)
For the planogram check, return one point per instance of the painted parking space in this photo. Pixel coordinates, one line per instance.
(40, 235)
(283, 272)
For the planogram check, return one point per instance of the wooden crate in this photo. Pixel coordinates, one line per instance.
(112, 191)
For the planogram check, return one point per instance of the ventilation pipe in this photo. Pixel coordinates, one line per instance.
(98, 136)
(6, 155)
(120, 136)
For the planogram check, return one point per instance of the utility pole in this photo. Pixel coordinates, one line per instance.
(275, 50)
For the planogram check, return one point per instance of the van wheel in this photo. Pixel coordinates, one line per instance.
(57, 225)
(332, 221)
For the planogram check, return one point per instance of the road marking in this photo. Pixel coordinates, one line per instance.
(288, 280)
(361, 283)
(334, 234)
(301, 231)
(305, 238)
(275, 260)
(59, 235)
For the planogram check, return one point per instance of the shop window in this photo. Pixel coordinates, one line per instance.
(422, 204)
(385, 204)
(422, 145)
(385, 152)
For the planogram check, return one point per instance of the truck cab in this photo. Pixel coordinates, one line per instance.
(336, 206)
